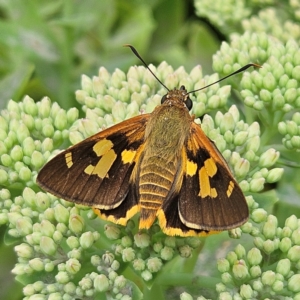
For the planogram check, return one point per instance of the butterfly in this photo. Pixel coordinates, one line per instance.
(161, 165)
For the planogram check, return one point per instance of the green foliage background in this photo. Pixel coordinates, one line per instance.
(46, 46)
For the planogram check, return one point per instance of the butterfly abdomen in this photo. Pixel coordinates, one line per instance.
(155, 182)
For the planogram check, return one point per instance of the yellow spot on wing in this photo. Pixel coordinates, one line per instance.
(230, 188)
(102, 147)
(128, 156)
(208, 170)
(103, 165)
(210, 167)
(68, 158)
(191, 168)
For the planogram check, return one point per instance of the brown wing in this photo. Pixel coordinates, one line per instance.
(210, 199)
(96, 172)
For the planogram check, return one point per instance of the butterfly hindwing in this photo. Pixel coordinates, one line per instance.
(210, 199)
(97, 172)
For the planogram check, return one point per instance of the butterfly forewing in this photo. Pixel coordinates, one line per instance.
(96, 171)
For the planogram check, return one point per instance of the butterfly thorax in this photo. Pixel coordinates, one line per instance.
(166, 132)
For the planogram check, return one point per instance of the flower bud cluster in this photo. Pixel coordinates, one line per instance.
(29, 132)
(148, 252)
(269, 269)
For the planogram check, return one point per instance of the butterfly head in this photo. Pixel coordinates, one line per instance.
(177, 96)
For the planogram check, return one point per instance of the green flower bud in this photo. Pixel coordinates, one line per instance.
(277, 286)
(139, 264)
(268, 277)
(154, 264)
(37, 159)
(157, 247)
(73, 242)
(75, 253)
(47, 228)
(73, 266)
(269, 228)
(246, 291)
(257, 185)
(61, 214)
(128, 254)
(231, 257)
(24, 226)
(258, 285)
(294, 253)
(61, 227)
(119, 111)
(240, 270)
(292, 222)
(96, 260)
(283, 267)
(254, 257)
(296, 236)
(115, 265)
(228, 136)
(126, 241)
(223, 265)
(86, 240)
(108, 258)
(167, 253)
(30, 106)
(274, 175)
(76, 223)
(170, 241)
(16, 153)
(70, 288)
(241, 168)
(112, 231)
(240, 251)
(294, 283)
(48, 130)
(220, 287)
(47, 245)
(6, 160)
(3, 218)
(225, 296)
(142, 240)
(269, 246)
(120, 282)
(49, 267)
(146, 275)
(185, 251)
(62, 277)
(24, 250)
(247, 227)
(3, 177)
(36, 264)
(227, 278)
(25, 174)
(268, 158)
(255, 271)
(259, 215)
(19, 269)
(29, 290)
(86, 283)
(240, 138)
(253, 144)
(185, 296)
(49, 214)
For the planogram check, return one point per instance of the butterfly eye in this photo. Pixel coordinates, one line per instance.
(189, 103)
(163, 99)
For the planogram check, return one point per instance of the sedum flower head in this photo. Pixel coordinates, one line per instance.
(85, 256)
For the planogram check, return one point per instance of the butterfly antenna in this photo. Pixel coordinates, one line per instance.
(141, 59)
(236, 72)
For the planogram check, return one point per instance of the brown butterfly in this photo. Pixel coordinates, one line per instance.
(160, 164)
